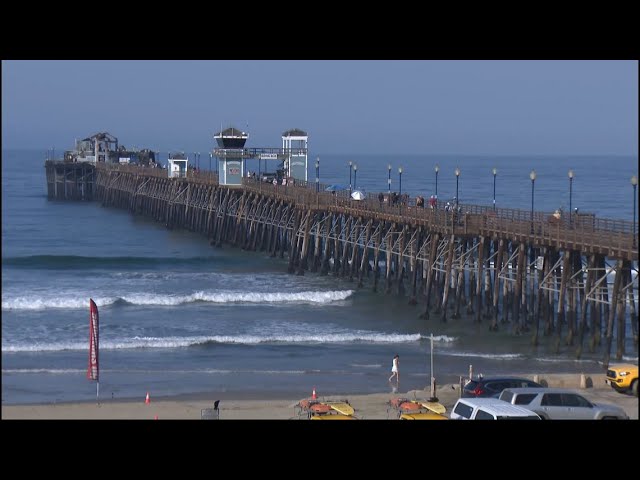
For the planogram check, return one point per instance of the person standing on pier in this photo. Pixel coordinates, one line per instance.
(395, 369)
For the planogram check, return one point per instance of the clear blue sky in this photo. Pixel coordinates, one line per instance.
(402, 107)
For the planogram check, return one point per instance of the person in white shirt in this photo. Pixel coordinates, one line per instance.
(394, 369)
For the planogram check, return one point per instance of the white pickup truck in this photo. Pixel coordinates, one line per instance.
(489, 409)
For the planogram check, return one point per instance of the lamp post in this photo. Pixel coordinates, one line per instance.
(570, 196)
(437, 169)
(389, 178)
(210, 158)
(457, 172)
(400, 189)
(355, 177)
(495, 172)
(532, 176)
(634, 182)
(350, 169)
(317, 174)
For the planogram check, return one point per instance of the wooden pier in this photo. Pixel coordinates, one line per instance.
(535, 275)
(70, 181)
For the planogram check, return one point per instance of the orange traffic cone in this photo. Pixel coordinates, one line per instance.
(147, 400)
(313, 394)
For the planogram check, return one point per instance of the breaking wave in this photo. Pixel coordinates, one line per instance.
(205, 341)
(237, 297)
(494, 356)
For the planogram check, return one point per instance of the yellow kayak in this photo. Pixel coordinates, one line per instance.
(341, 407)
(337, 416)
(435, 407)
(422, 416)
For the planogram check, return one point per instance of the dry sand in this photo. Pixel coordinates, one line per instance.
(372, 406)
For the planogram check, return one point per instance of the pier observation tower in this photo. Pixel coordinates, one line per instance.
(294, 142)
(232, 155)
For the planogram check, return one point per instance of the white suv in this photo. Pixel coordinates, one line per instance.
(561, 404)
(489, 409)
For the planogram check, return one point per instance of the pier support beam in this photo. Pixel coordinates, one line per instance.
(364, 261)
(376, 255)
(496, 285)
(480, 279)
(591, 265)
(566, 267)
(435, 239)
(614, 302)
(447, 277)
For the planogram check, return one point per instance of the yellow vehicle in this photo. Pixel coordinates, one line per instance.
(623, 378)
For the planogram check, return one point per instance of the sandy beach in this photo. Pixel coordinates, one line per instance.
(367, 407)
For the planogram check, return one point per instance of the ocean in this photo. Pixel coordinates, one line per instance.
(180, 317)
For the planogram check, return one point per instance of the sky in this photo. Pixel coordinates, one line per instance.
(477, 107)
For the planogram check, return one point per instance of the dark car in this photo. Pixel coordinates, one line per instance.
(493, 386)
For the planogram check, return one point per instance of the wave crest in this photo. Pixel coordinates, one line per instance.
(183, 342)
(312, 297)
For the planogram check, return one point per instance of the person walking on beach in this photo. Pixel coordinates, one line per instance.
(394, 369)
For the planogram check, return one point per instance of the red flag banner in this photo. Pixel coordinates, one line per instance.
(94, 323)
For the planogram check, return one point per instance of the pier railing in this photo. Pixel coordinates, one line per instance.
(584, 232)
(199, 176)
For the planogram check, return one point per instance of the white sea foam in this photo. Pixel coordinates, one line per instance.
(560, 359)
(240, 297)
(64, 302)
(43, 370)
(630, 359)
(214, 371)
(493, 356)
(180, 342)
(440, 338)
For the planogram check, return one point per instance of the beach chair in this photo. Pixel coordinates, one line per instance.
(211, 413)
